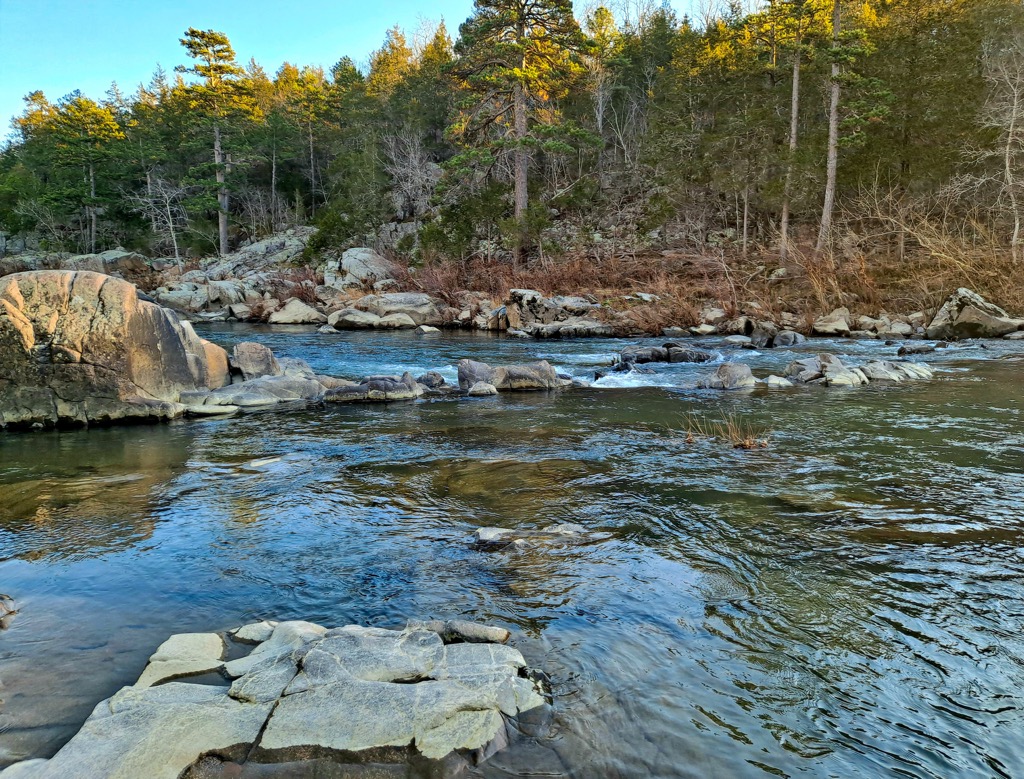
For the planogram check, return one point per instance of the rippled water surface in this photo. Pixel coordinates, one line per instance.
(846, 602)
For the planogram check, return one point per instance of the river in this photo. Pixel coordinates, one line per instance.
(846, 602)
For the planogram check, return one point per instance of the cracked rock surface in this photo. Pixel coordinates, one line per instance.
(304, 694)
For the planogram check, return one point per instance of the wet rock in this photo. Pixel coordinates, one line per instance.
(431, 380)
(729, 376)
(295, 312)
(835, 324)
(777, 382)
(883, 370)
(186, 654)
(787, 338)
(824, 369)
(427, 330)
(482, 389)
(1017, 336)
(155, 732)
(967, 314)
(675, 332)
(7, 611)
(264, 391)
(255, 633)
(254, 360)
(456, 631)
(377, 389)
(82, 348)
(532, 376)
(914, 349)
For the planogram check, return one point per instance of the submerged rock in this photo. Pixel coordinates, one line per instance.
(83, 348)
(7, 611)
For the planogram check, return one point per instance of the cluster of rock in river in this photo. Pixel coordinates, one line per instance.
(81, 348)
(440, 696)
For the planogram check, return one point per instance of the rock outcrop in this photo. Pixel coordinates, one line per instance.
(967, 314)
(527, 311)
(358, 268)
(80, 348)
(435, 691)
(829, 370)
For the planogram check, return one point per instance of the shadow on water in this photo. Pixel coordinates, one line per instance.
(843, 603)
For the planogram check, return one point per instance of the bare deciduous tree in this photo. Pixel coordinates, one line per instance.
(1004, 113)
(162, 205)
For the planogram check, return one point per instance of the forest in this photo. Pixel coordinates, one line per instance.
(863, 144)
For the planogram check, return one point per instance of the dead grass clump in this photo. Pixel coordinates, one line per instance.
(732, 429)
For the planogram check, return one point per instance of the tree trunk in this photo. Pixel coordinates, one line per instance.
(1008, 179)
(794, 117)
(833, 141)
(222, 191)
(170, 229)
(92, 208)
(273, 188)
(312, 173)
(746, 217)
(521, 160)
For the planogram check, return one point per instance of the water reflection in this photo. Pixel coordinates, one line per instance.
(844, 603)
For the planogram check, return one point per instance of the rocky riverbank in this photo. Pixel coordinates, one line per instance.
(278, 699)
(81, 348)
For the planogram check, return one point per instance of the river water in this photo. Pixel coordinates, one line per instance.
(846, 602)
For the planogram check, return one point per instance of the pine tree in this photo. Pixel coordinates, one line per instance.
(514, 56)
(221, 96)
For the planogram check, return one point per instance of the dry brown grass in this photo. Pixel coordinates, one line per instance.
(732, 429)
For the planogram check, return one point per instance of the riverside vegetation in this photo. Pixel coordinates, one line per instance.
(804, 154)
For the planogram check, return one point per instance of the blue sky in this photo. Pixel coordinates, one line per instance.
(62, 45)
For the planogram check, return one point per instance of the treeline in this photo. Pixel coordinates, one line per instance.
(804, 127)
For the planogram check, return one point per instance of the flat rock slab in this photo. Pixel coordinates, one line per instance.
(187, 654)
(351, 695)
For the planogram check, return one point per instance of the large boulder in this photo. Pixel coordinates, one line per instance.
(353, 319)
(356, 268)
(418, 306)
(254, 360)
(531, 376)
(295, 312)
(730, 376)
(79, 348)
(835, 324)
(967, 314)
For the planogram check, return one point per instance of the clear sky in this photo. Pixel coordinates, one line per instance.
(59, 46)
